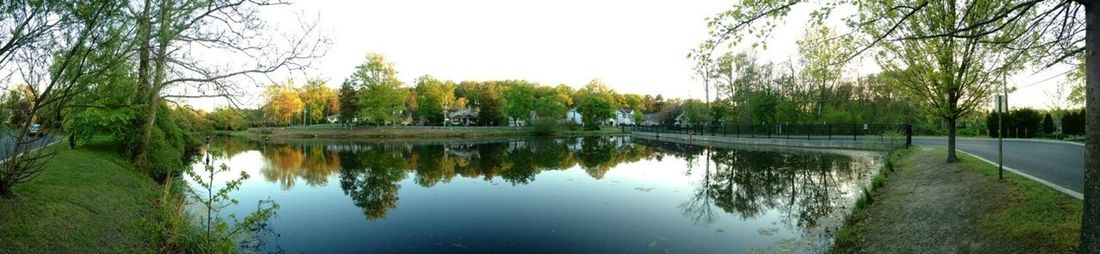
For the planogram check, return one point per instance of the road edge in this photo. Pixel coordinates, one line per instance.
(1009, 139)
(1069, 192)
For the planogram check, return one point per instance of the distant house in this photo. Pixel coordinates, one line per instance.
(464, 116)
(622, 117)
(573, 116)
(652, 119)
(332, 118)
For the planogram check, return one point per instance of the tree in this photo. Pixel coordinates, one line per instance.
(1053, 31)
(951, 77)
(226, 118)
(283, 103)
(47, 45)
(433, 98)
(595, 110)
(349, 102)
(550, 106)
(696, 112)
(382, 97)
(169, 35)
(319, 100)
(517, 100)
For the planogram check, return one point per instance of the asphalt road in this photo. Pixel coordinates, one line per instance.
(8, 141)
(1061, 164)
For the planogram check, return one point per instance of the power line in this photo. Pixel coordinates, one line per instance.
(1045, 80)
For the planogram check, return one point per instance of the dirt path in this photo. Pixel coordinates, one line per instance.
(929, 206)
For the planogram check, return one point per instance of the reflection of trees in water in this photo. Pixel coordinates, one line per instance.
(287, 163)
(373, 185)
(804, 186)
(370, 173)
(372, 179)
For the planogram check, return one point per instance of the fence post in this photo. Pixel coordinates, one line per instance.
(855, 132)
(807, 129)
(830, 126)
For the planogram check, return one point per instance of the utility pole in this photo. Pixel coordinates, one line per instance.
(1002, 110)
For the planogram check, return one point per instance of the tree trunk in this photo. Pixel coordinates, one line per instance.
(5, 191)
(1090, 223)
(951, 131)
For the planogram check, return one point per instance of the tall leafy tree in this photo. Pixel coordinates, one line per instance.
(951, 77)
(349, 102)
(319, 100)
(433, 98)
(283, 103)
(517, 100)
(382, 95)
(169, 34)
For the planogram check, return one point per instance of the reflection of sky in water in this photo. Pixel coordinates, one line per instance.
(648, 205)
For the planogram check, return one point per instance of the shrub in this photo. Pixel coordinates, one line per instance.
(1073, 122)
(545, 127)
(1020, 123)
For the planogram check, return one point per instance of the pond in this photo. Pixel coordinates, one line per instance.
(589, 195)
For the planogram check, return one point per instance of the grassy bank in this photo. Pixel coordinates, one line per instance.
(85, 202)
(407, 132)
(926, 204)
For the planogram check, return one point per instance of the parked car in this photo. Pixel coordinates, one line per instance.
(34, 130)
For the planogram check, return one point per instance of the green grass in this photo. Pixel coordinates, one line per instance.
(1032, 214)
(85, 202)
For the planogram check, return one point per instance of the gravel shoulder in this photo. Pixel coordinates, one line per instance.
(929, 206)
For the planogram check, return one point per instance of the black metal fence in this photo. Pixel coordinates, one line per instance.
(853, 132)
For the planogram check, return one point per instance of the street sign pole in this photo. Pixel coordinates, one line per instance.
(1002, 108)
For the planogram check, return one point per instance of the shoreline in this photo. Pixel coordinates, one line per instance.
(404, 133)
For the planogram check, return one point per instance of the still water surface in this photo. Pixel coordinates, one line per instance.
(586, 195)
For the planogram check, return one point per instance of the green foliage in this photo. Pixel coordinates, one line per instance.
(227, 119)
(433, 97)
(166, 147)
(1073, 122)
(1020, 123)
(518, 100)
(594, 110)
(382, 97)
(550, 107)
(104, 110)
(544, 127)
(696, 112)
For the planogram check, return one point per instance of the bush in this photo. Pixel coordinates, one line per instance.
(1073, 122)
(545, 127)
(1020, 123)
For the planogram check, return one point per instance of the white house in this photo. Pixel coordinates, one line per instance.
(573, 116)
(622, 117)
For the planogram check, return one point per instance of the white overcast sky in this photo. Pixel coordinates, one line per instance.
(633, 46)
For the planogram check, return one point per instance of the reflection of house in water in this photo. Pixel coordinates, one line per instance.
(465, 150)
